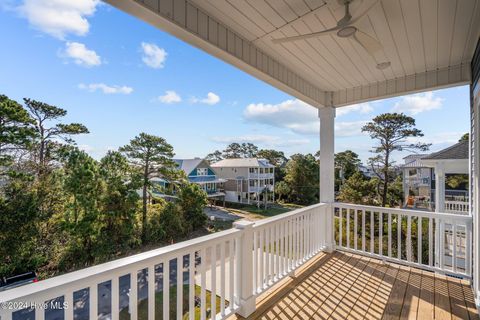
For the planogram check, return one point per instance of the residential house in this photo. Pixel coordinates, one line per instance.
(197, 171)
(249, 180)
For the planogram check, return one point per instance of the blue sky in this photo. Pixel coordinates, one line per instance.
(120, 76)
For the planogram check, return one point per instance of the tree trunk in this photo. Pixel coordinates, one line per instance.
(385, 180)
(144, 209)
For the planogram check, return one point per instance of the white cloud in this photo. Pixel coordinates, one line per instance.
(81, 55)
(417, 103)
(349, 128)
(153, 56)
(59, 17)
(92, 87)
(211, 99)
(292, 114)
(300, 118)
(363, 108)
(169, 97)
(265, 140)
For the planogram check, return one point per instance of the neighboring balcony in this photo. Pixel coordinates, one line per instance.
(260, 188)
(261, 176)
(326, 260)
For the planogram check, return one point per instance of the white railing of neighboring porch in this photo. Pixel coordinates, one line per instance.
(235, 266)
(456, 207)
(444, 244)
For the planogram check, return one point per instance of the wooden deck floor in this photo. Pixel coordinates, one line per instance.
(347, 286)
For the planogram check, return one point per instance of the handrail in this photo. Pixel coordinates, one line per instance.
(444, 237)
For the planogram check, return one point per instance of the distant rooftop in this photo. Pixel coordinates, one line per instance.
(243, 163)
(457, 151)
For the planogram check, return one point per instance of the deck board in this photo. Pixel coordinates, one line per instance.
(349, 286)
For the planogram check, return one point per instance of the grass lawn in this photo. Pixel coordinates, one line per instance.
(255, 213)
(143, 305)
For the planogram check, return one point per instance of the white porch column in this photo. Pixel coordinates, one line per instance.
(244, 252)
(439, 188)
(327, 167)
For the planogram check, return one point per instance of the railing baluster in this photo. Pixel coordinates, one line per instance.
(238, 268)
(430, 241)
(363, 230)
(68, 300)
(222, 278)
(419, 240)
(267, 256)
(262, 255)
(454, 248)
(191, 286)
(380, 233)
(133, 303)
(348, 227)
(340, 226)
(409, 238)
(468, 252)
(179, 287)
(389, 231)
(399, 236)
(255, 261)
(116, 298)
(151, 292)
(213, 275)
(372, 232)
(355, 231)
(166, 288)
(39, 314)
(231, 274)
(282, 249)
(441, 243)
(203, 284)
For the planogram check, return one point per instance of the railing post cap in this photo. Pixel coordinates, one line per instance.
(243, 224)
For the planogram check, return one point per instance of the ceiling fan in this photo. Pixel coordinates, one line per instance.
(346, 28)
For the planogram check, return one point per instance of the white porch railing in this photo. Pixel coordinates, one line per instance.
(456, 207)
(444, 243)
(231, 267)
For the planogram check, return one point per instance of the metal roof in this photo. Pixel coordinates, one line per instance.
(243, 163)
(455, 152)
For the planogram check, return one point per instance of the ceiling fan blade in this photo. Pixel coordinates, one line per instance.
(307, 36)
(361, 15)
(370, 44)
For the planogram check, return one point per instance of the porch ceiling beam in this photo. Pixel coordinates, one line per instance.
(187, 22)
(425, 81)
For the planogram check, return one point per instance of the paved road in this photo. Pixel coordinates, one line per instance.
(220, 214)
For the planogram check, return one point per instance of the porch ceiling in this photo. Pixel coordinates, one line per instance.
(429, 43)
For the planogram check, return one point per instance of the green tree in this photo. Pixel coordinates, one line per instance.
(392, 131)
(47, 134)
(302, 176)
(84, 186)
(192, 200)
(18, 228)
(15, 131)
(249, 150)
(465, 137)
(153, 156)
(172, 222)
(358, 190)
(282, 190)
(346, 163)
(118, 202)
(214, 156)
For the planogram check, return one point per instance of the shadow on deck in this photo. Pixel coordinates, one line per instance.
(348, 286)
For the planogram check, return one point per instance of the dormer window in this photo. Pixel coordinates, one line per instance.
(202, 171)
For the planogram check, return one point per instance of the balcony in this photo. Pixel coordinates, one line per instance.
(337, 260)
(261, 176)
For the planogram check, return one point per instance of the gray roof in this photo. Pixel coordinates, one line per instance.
(457, 151)
(187, 165)
(243, 163)
(413, 161)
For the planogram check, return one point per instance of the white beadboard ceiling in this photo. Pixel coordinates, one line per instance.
(429, 43)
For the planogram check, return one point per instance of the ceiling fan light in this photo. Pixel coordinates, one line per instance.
(346, 32)
(383, 65)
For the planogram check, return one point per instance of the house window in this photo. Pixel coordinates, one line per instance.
(251, 170)
(202, 171)
(261, 170)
